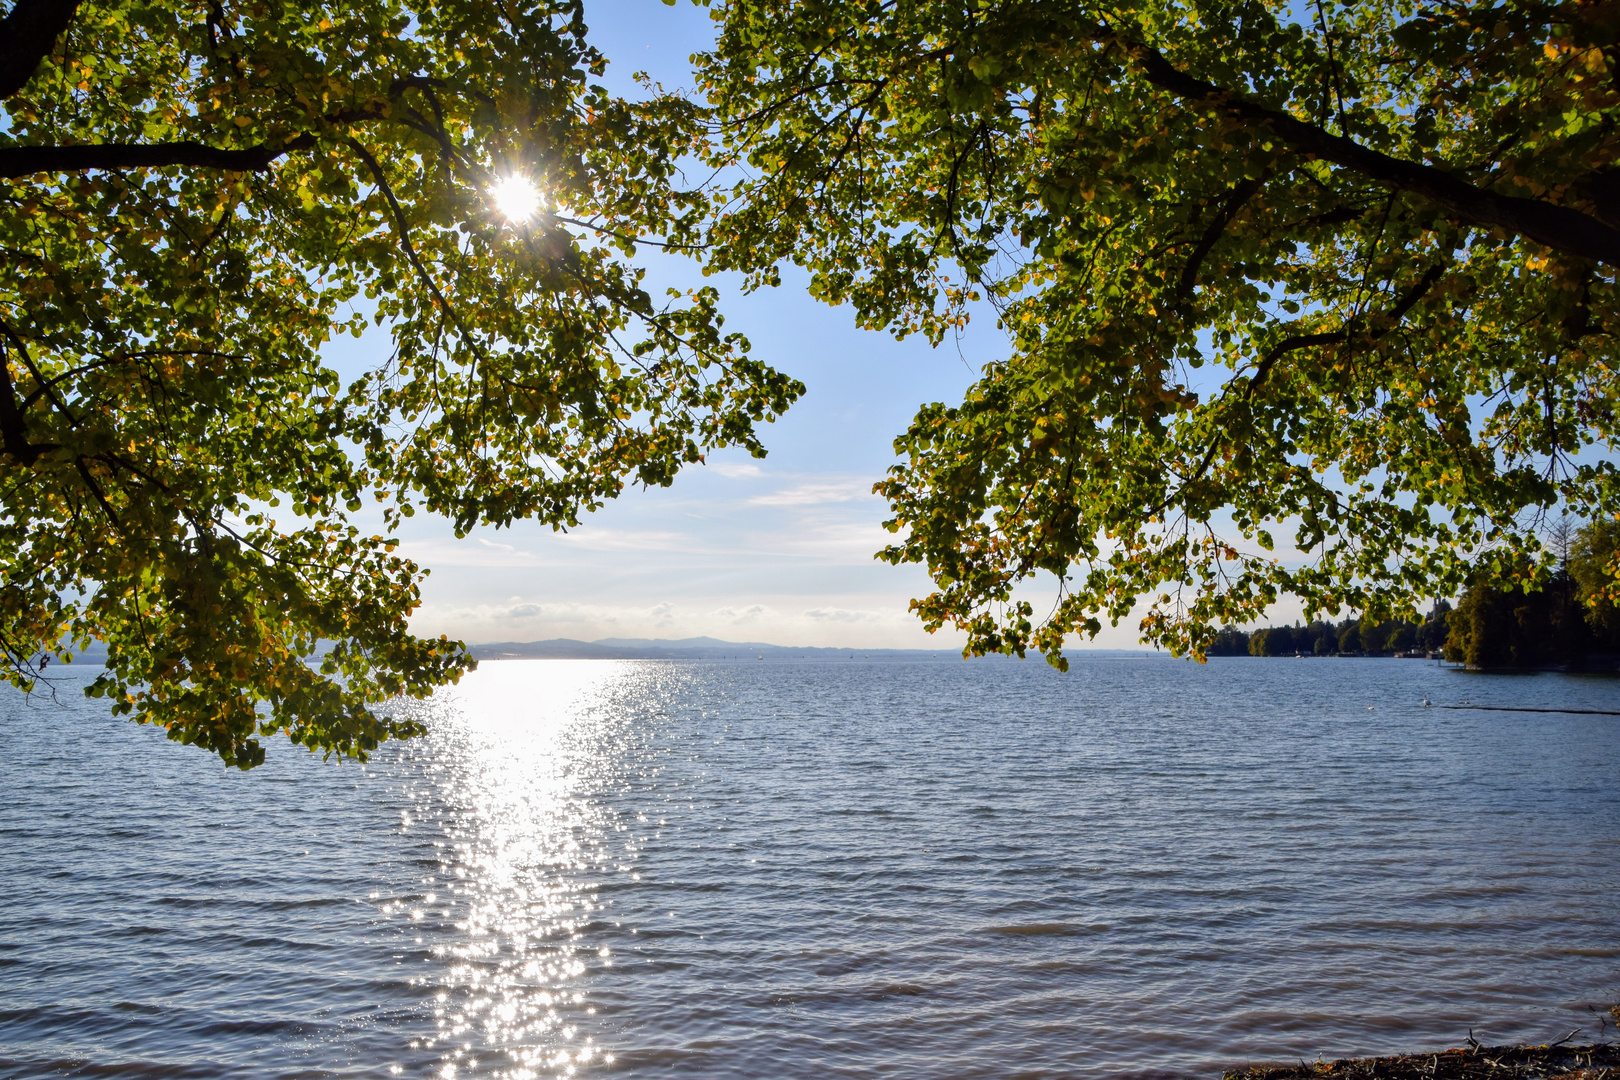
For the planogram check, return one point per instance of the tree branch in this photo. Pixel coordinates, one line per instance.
(1560, 228)
(27, 34)
(1295, 342)
(1281, 349)
(95, 491)
(13, 427)
(1241, 194)
(402, 228)
(39, 376)
(1410, 299)
(16, 161)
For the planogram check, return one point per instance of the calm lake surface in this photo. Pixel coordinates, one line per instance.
(946, 870)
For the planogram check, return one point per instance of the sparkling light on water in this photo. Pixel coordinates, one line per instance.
(518, 751)
(737, 871)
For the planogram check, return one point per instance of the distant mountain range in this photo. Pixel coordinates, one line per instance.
(697, 648)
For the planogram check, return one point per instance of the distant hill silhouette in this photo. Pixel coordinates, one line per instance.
(697, 648)
(694, 648)
(708, 648)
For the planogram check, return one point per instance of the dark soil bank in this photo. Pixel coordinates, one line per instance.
(1595, 1062)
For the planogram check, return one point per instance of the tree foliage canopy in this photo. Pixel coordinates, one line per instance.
(1339, 272)
(195, 196)
(1344, 272)
(1569, 621)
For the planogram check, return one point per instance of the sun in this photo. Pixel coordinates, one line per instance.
(516, 197)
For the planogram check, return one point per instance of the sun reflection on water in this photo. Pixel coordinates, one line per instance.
(511, 775)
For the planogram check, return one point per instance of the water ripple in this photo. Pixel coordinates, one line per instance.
(1141, 869)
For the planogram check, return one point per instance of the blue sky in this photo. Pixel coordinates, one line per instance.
(779, 550)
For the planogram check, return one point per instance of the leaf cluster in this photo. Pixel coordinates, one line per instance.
(1337, 278)
(196, 198)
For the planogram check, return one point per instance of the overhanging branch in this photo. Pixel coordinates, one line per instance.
(18, 161)
(1240, 194)
(27, 33)
(1293, 343)
(1560, 228)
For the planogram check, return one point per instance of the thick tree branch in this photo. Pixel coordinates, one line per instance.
(96, 492)
(13, 427)
(39, 376)
(16, 161)
(1560, 228)
(1240, 194)
(27, 34)
(1277, 352)
(1409, 300)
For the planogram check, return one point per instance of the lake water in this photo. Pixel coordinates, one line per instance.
(946, 870)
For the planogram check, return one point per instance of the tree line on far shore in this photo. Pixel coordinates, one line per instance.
(1351, 637)
(1568, 620)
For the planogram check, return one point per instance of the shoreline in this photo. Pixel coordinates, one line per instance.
(1592, 1061)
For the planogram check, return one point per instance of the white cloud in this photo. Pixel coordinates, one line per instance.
(737, 470)
(750, 614)
(432, 554)
(816, 494)
(843, 542)
(842, 615)
(493, 621)
(595, 539)
(504, 549)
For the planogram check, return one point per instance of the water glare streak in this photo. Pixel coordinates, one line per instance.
(509, 777)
